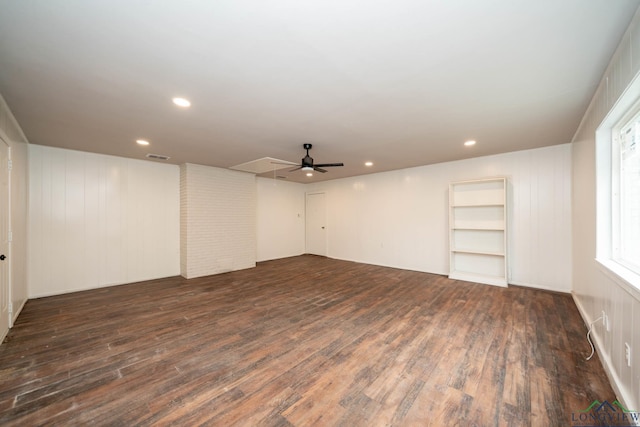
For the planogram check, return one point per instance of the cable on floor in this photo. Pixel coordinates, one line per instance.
(593, 350)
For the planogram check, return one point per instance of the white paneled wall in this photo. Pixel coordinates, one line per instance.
(280, 225)
(97, 220)
(595, 290)
(217, 220)
(399, 218)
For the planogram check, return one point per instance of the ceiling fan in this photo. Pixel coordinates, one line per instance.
(307, 163)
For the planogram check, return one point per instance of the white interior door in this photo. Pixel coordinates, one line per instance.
(316, 227)
(4, 240)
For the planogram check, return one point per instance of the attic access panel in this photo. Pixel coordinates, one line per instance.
(265, 164)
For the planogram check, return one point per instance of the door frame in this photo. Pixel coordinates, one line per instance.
(7, 204)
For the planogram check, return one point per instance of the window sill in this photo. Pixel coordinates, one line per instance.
(624, 277)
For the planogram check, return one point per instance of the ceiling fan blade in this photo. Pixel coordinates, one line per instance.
(328, 165)
(316, 168)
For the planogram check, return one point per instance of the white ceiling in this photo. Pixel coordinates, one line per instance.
(401, 83)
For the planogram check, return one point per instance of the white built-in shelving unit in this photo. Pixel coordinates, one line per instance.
(478, 231)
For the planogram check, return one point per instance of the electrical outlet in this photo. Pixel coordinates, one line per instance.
(605, 321)
(627, 353)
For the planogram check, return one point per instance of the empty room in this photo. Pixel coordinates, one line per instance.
(336, 213)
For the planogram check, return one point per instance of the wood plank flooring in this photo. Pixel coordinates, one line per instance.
(298, 342)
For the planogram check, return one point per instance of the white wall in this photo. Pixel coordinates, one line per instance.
(97, 220)
(217, 220)
(280, 223)
(595, 290)
(400, 218)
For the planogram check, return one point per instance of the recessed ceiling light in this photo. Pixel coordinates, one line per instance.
(368, 163)
(142, 141)
(469, 143)
(309, 174)
(182, 102)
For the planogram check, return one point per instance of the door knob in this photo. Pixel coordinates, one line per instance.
(2, 257)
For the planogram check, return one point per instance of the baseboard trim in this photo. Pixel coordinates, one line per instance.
(541, 287)
(17, 312)
(605, 359)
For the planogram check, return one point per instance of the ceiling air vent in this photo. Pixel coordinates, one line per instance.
(157, 156)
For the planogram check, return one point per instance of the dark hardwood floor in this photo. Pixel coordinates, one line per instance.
(300, 341)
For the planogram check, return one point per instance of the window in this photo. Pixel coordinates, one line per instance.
(618, 190)
(625, 170)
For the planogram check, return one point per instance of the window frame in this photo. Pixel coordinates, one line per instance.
(607, 189)
(617, 201)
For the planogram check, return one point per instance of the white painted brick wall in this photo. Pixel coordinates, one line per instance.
(183, 220)
(217, 220)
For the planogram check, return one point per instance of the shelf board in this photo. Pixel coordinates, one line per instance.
(478, 228)
(479, 278)
(478, 252)
(481, 205)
